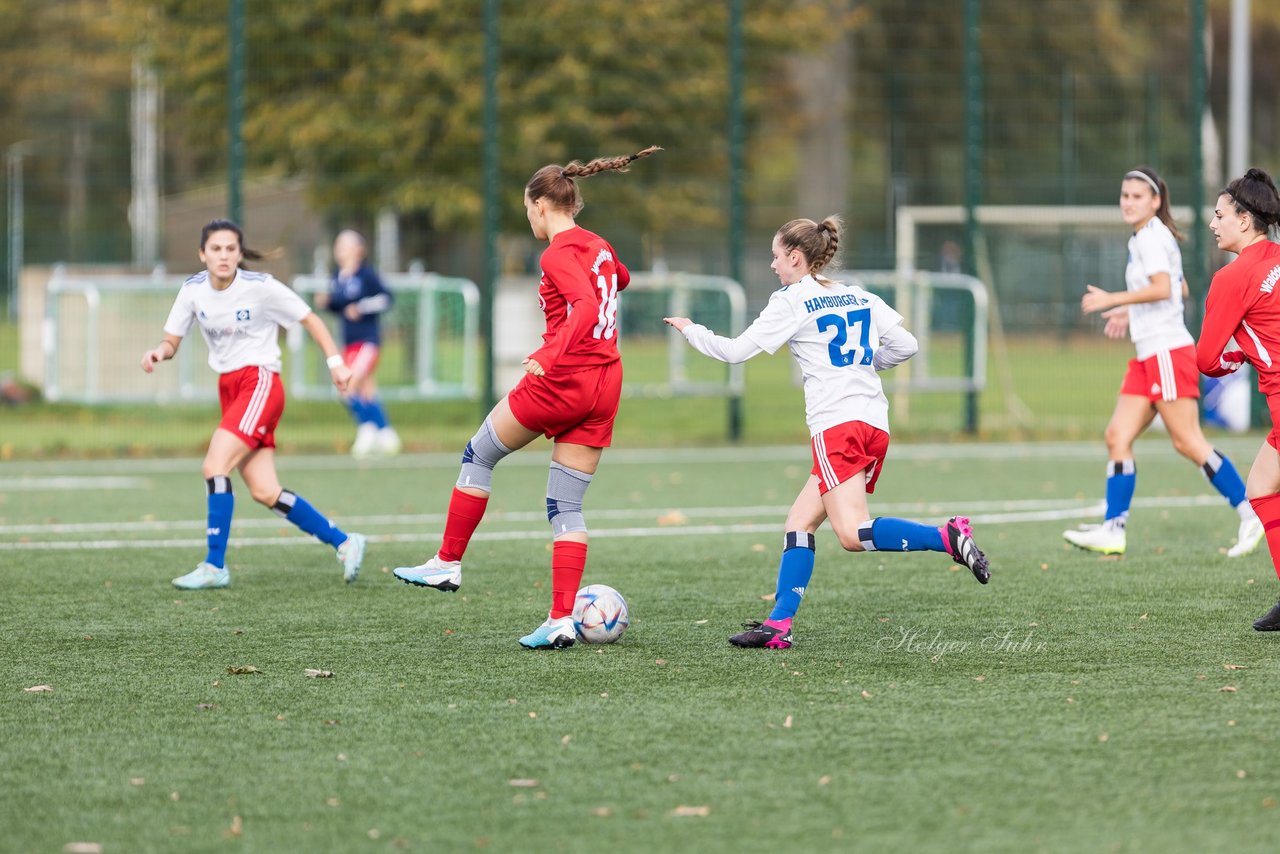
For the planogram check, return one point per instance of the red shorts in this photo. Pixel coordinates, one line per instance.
(846, 450)
(1273, 406)
(252, 403)
(362, 358)
(577, 407)
(1168, 375)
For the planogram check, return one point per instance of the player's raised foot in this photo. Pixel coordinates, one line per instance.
(388, 443)
(1270, 621)
(1104, 539)
(555, 633)
(957, 535)
(440, 574)
(1247, 538)
(351, 555)
(771, 634)
(205, 576)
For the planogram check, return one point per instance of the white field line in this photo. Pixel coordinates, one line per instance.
(36, 483)
(1041, 511)
(537, 455)
(359, 523)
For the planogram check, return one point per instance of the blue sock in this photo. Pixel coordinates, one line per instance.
(1122, 477)
(296, 509)
(221, 505)
(1224, 477)
(794, 571)
(377, 412)
(887, 534)
(356, 408)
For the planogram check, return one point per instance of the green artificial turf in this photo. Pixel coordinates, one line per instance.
(1076, 703)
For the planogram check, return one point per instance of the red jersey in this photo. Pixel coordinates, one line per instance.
(581, 278)
(1241, 305)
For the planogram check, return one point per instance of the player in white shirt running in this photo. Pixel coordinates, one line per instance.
(239, 313)
(1163, 379)
(840, 335)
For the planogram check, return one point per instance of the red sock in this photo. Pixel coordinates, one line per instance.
(568, 560)
(465, 513)
(1268, 509)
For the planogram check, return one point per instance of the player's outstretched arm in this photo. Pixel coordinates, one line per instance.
(165, 350)
(338, 370)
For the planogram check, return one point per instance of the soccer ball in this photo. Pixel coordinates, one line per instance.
(600, 614)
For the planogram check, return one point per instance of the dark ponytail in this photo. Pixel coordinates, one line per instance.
(227, 225)
(1255, 193)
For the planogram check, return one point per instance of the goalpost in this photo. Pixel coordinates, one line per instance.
(1051, 251)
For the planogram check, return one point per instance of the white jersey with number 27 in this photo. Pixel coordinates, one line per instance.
(833, 329)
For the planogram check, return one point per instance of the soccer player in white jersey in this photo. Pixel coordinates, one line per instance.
(1163, 378)
(239, 313)
(841, 336)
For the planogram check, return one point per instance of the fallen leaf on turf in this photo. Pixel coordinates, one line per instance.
(523, 783)
(1233, 667)
(602, 812)
(242, 669)
(1268, 803)
(1103, 738)
(175, 797)
(205, 706)
(867, 695)
(659, 661)
(883, 619)
(342, 757)
(332, 722)
(333, 802)
(236, 828)
(675, 517)
(768, 597)
(533, 714)
(138, 781)
(42, 689)
(787, 723)
(1227, 689)
(700, 622)
(564, 739)
(312, 673)
(82, 848)
(374, 833)
(759, 547)
(1143, 617)
(1240, 774)
(824, 779)
(279, 717)
(693, 812)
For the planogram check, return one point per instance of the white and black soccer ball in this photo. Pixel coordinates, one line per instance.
(600, 614)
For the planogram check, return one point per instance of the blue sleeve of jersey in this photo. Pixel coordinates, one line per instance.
(337, 297)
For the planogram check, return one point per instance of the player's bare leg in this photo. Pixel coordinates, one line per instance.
(1132, 416)
(1182, 418)
(226, 451)
(258, 470)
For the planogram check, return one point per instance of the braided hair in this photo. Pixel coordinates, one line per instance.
(558, 186)
(818, 242)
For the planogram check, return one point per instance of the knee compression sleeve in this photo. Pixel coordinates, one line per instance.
(483, 452)
(565, 490)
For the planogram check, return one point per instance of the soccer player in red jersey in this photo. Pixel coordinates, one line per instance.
(569, 393)
(1242, 306)
(240, 313)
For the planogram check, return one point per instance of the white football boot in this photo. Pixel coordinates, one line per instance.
(1107, 539)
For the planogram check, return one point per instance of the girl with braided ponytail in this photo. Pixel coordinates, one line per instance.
(841, 336)
(569, 393)
(1242, 305)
